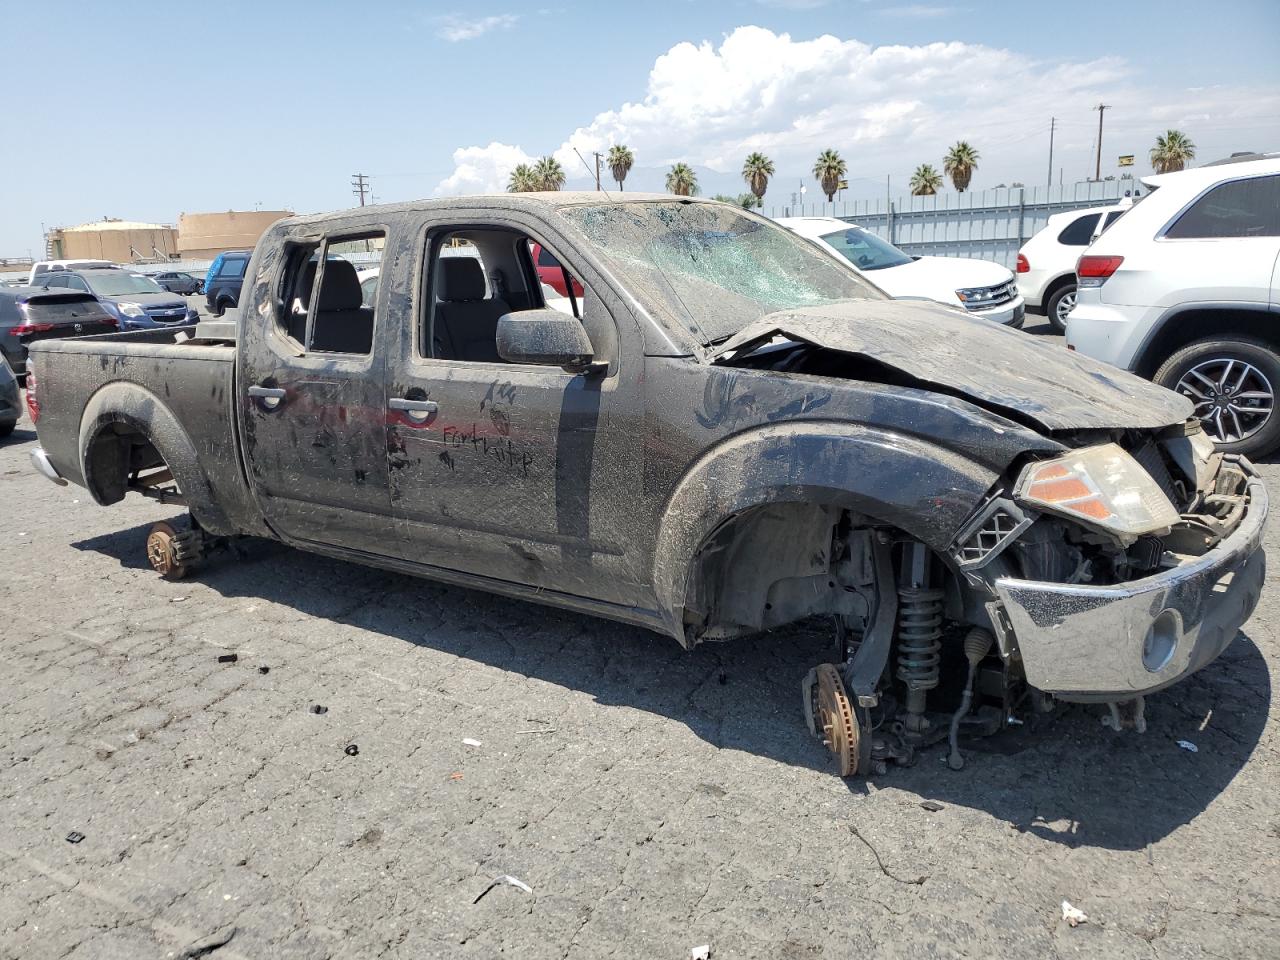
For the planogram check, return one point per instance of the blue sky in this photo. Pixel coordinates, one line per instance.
(146, 110)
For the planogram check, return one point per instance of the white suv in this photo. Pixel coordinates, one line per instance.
(1183, 289)
(1047, 262)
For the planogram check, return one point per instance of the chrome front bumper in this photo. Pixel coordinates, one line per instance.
(1111, 643)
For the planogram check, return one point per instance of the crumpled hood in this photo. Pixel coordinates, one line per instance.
(992, 365)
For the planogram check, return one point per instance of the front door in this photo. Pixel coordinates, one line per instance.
(521, 473)
(312, 393)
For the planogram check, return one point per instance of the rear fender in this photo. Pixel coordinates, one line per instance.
(893, 479)
(142, 412)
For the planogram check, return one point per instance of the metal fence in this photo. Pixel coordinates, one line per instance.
(990, 225)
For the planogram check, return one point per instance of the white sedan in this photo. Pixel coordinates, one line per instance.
(981, 287)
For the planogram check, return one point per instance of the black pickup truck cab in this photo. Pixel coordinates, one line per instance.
(729, 431)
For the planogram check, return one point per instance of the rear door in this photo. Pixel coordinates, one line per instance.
(312, 392)
(1225, 242)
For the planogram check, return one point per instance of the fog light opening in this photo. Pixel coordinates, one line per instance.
(1162, 639)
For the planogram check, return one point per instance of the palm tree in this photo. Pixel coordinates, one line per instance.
(548, 174)
(522, 179)
(1172, 151)
(756, 170)
(682, 181)
(959, 163)
(925, 181)
(747, 201)
(829, 169)
(620, 159)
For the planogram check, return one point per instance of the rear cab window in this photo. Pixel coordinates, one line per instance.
(320, 305)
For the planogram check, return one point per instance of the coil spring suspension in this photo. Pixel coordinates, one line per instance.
(919, 636)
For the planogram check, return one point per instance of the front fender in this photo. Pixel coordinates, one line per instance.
(899, 480)
(142, 411)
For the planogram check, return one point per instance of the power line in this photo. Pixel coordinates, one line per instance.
(360, 186)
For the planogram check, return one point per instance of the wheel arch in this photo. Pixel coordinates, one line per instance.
(809, 468)
(118, 415)
(1189, 323)
(1053, 286)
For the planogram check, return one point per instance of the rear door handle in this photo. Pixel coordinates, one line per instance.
(419, 411)
(271, 397)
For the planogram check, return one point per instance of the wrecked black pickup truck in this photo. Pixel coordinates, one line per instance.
(725, 431)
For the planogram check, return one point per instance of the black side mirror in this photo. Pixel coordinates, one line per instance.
(547, 337)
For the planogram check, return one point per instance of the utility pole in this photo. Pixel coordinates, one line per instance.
(359, 186)
(596, 154)
(1052, 122)
(1097, 169)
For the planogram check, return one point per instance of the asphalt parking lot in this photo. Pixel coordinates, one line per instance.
(651, 800)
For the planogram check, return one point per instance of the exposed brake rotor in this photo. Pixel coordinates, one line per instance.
(835, 720)
(165, 553)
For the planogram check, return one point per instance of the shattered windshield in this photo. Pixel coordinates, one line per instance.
(708, 268)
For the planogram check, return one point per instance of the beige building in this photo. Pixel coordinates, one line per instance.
(205, 235)
(120, 241)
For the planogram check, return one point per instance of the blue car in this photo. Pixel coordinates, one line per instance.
(224, 279)
(137, 302)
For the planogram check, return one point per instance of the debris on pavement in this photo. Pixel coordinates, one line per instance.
(75, 836)
(228, 657)
(700, 953)
(909, 881)
(933, 806)
(455, 776)
(498, 881)
(264, 670)
(1073, 915)
(351, 750)
(205, 946)
(1189, 746)
(177, 599)
(318, 710)
(470, 742)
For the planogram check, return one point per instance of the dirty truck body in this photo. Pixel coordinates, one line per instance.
(731, 432)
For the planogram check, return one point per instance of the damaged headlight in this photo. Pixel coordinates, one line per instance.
(1101, 486)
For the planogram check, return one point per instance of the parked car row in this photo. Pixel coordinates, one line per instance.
(135, 301)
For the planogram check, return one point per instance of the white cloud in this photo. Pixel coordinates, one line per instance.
(885, 108)
(482, 169)
(457, 28)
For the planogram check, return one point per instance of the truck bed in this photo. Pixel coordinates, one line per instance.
(171, 386)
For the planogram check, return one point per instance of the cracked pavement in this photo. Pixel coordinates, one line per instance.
(652, 799)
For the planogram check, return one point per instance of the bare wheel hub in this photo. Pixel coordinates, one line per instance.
(170, 553)
(835, 720)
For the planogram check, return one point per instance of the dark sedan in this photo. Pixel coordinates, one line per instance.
(175, 282)
(28, 314)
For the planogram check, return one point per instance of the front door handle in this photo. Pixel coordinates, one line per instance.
(271, 397)
(419, 411)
